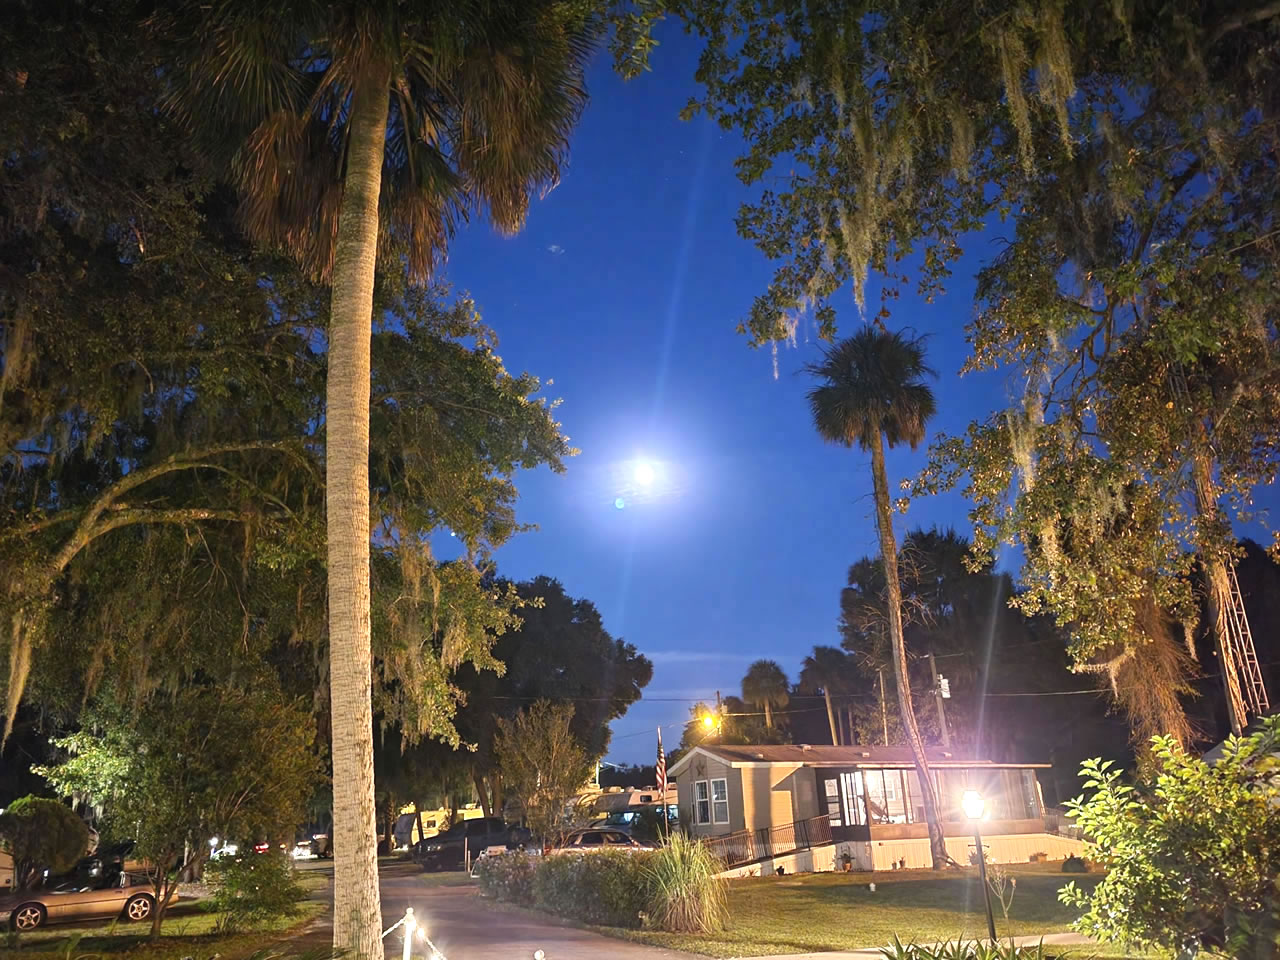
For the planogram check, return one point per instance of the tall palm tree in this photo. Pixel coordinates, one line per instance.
(357, 128)
(825, 670)
(872, 391)
(766, 685)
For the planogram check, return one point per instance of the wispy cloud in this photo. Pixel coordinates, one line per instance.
(555, 249)
(695, 656)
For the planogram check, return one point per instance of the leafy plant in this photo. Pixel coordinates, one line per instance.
(42, 834)
(605, 888)
(1074, 864)
(960, 949)
(248, 890)
(508, 877)
(1192, 850)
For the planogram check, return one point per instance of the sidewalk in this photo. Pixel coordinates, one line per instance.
(873, 953)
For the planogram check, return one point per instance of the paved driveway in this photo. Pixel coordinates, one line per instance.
(465, 927)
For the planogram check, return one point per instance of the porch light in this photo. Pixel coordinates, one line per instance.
(973, 804)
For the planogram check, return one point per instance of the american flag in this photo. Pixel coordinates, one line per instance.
(662, 770)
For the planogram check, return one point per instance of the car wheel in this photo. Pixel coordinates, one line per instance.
(28, 916)
(139, 907)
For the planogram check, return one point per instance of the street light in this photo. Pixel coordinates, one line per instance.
(974, 807)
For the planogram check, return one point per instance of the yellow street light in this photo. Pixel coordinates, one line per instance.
(708, 721)
(973, 804)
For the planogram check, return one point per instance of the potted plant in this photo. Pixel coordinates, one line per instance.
(846, 860)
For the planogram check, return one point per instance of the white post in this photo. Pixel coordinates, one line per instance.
(410, 925)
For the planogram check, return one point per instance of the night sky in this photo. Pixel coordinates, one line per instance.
(625, 289)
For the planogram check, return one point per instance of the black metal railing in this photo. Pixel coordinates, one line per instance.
(748, 845)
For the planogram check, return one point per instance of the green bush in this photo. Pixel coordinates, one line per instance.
(508, 877)
(42, 834)
(673, 888)
(606, 888)
(1074, 864)
(252, 889)
(960, 949)
(685, 895)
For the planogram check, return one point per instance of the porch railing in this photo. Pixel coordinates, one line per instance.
(748, 845)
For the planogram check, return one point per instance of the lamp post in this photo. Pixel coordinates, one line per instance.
(974, 807)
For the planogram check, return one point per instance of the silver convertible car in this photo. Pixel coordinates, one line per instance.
(127, 897)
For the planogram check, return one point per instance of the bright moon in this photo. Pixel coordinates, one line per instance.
(644, 474)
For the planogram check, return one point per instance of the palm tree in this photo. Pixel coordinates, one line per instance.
(354, 128)
(825, 670)
(765, 685)
(871, 391)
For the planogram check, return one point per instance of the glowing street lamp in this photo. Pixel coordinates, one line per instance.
(974, 807)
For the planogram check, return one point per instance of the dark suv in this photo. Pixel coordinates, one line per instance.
(446, 851)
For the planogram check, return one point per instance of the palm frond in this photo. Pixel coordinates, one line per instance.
(872, 382)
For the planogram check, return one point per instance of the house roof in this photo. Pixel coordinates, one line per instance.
(828, 756)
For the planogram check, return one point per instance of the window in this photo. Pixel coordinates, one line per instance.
(855, 802)
(701, 802)
(832, 790)
(618, 839)
(720, 801)
(593, 839)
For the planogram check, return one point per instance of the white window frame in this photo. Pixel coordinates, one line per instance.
(716, 804)
(701, 795)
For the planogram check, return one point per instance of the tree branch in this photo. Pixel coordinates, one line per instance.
(1241, 20)
(89, 527)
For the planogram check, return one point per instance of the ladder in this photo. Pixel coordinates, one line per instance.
(1245, 655)
(1241, 672)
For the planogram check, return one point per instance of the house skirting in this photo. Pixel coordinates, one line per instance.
(1001, 848)
(885, 854)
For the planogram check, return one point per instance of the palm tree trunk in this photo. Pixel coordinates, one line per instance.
(357, 912)
(889, 556)
(768, 716)
(831, 717)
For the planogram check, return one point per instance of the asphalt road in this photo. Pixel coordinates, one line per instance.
(465, 927)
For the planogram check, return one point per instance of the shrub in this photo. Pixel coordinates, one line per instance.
(685, 895)
(1074, 864)
(1191, 849)
(251, 890)
(606, 888)
(508, 877)
(42, 834)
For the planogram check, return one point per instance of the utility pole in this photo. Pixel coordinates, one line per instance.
(937, 698)
(884, 712)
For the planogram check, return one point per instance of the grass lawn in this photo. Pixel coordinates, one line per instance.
(837, 911)
(187, 933)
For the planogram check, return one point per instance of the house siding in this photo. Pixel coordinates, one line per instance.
(709, 768)
(766, 796)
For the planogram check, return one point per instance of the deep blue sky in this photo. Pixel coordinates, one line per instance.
(625, 289)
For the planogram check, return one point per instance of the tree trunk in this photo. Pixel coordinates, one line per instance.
(831, 717)
(357, 913)
(482, 793)
(889, 556)
(768, 716)
(1217, 590)
(498, 804)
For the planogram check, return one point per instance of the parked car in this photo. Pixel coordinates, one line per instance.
(128, 897)
(593, 840)
(448, 850)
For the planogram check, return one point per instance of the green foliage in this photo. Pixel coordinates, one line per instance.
(607, 888)
(960, 949)
(766, 686)
(685, 895)
(42, 834)
(206, 762)
(542, 763)
(1074, 864)
(251, 889)
(1192, 850)
(509, 877)
(674, 888)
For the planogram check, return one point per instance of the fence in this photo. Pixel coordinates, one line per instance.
(748, 845)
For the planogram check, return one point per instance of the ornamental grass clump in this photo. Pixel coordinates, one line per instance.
(685, 895)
